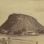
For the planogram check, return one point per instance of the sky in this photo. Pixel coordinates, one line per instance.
(33, 8)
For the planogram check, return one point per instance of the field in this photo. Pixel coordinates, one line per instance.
(24, 39)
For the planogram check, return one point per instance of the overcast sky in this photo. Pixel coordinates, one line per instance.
(33, 8)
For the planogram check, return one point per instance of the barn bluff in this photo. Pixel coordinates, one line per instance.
(19, 23)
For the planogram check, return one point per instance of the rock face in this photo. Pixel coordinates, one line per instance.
(19, 23)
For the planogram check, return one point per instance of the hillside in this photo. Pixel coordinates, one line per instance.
(17, 23)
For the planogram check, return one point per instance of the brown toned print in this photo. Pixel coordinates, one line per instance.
(21, 21)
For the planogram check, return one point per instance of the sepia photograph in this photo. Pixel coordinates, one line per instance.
(21, 21)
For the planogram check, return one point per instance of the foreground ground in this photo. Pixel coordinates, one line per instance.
(24, 39)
